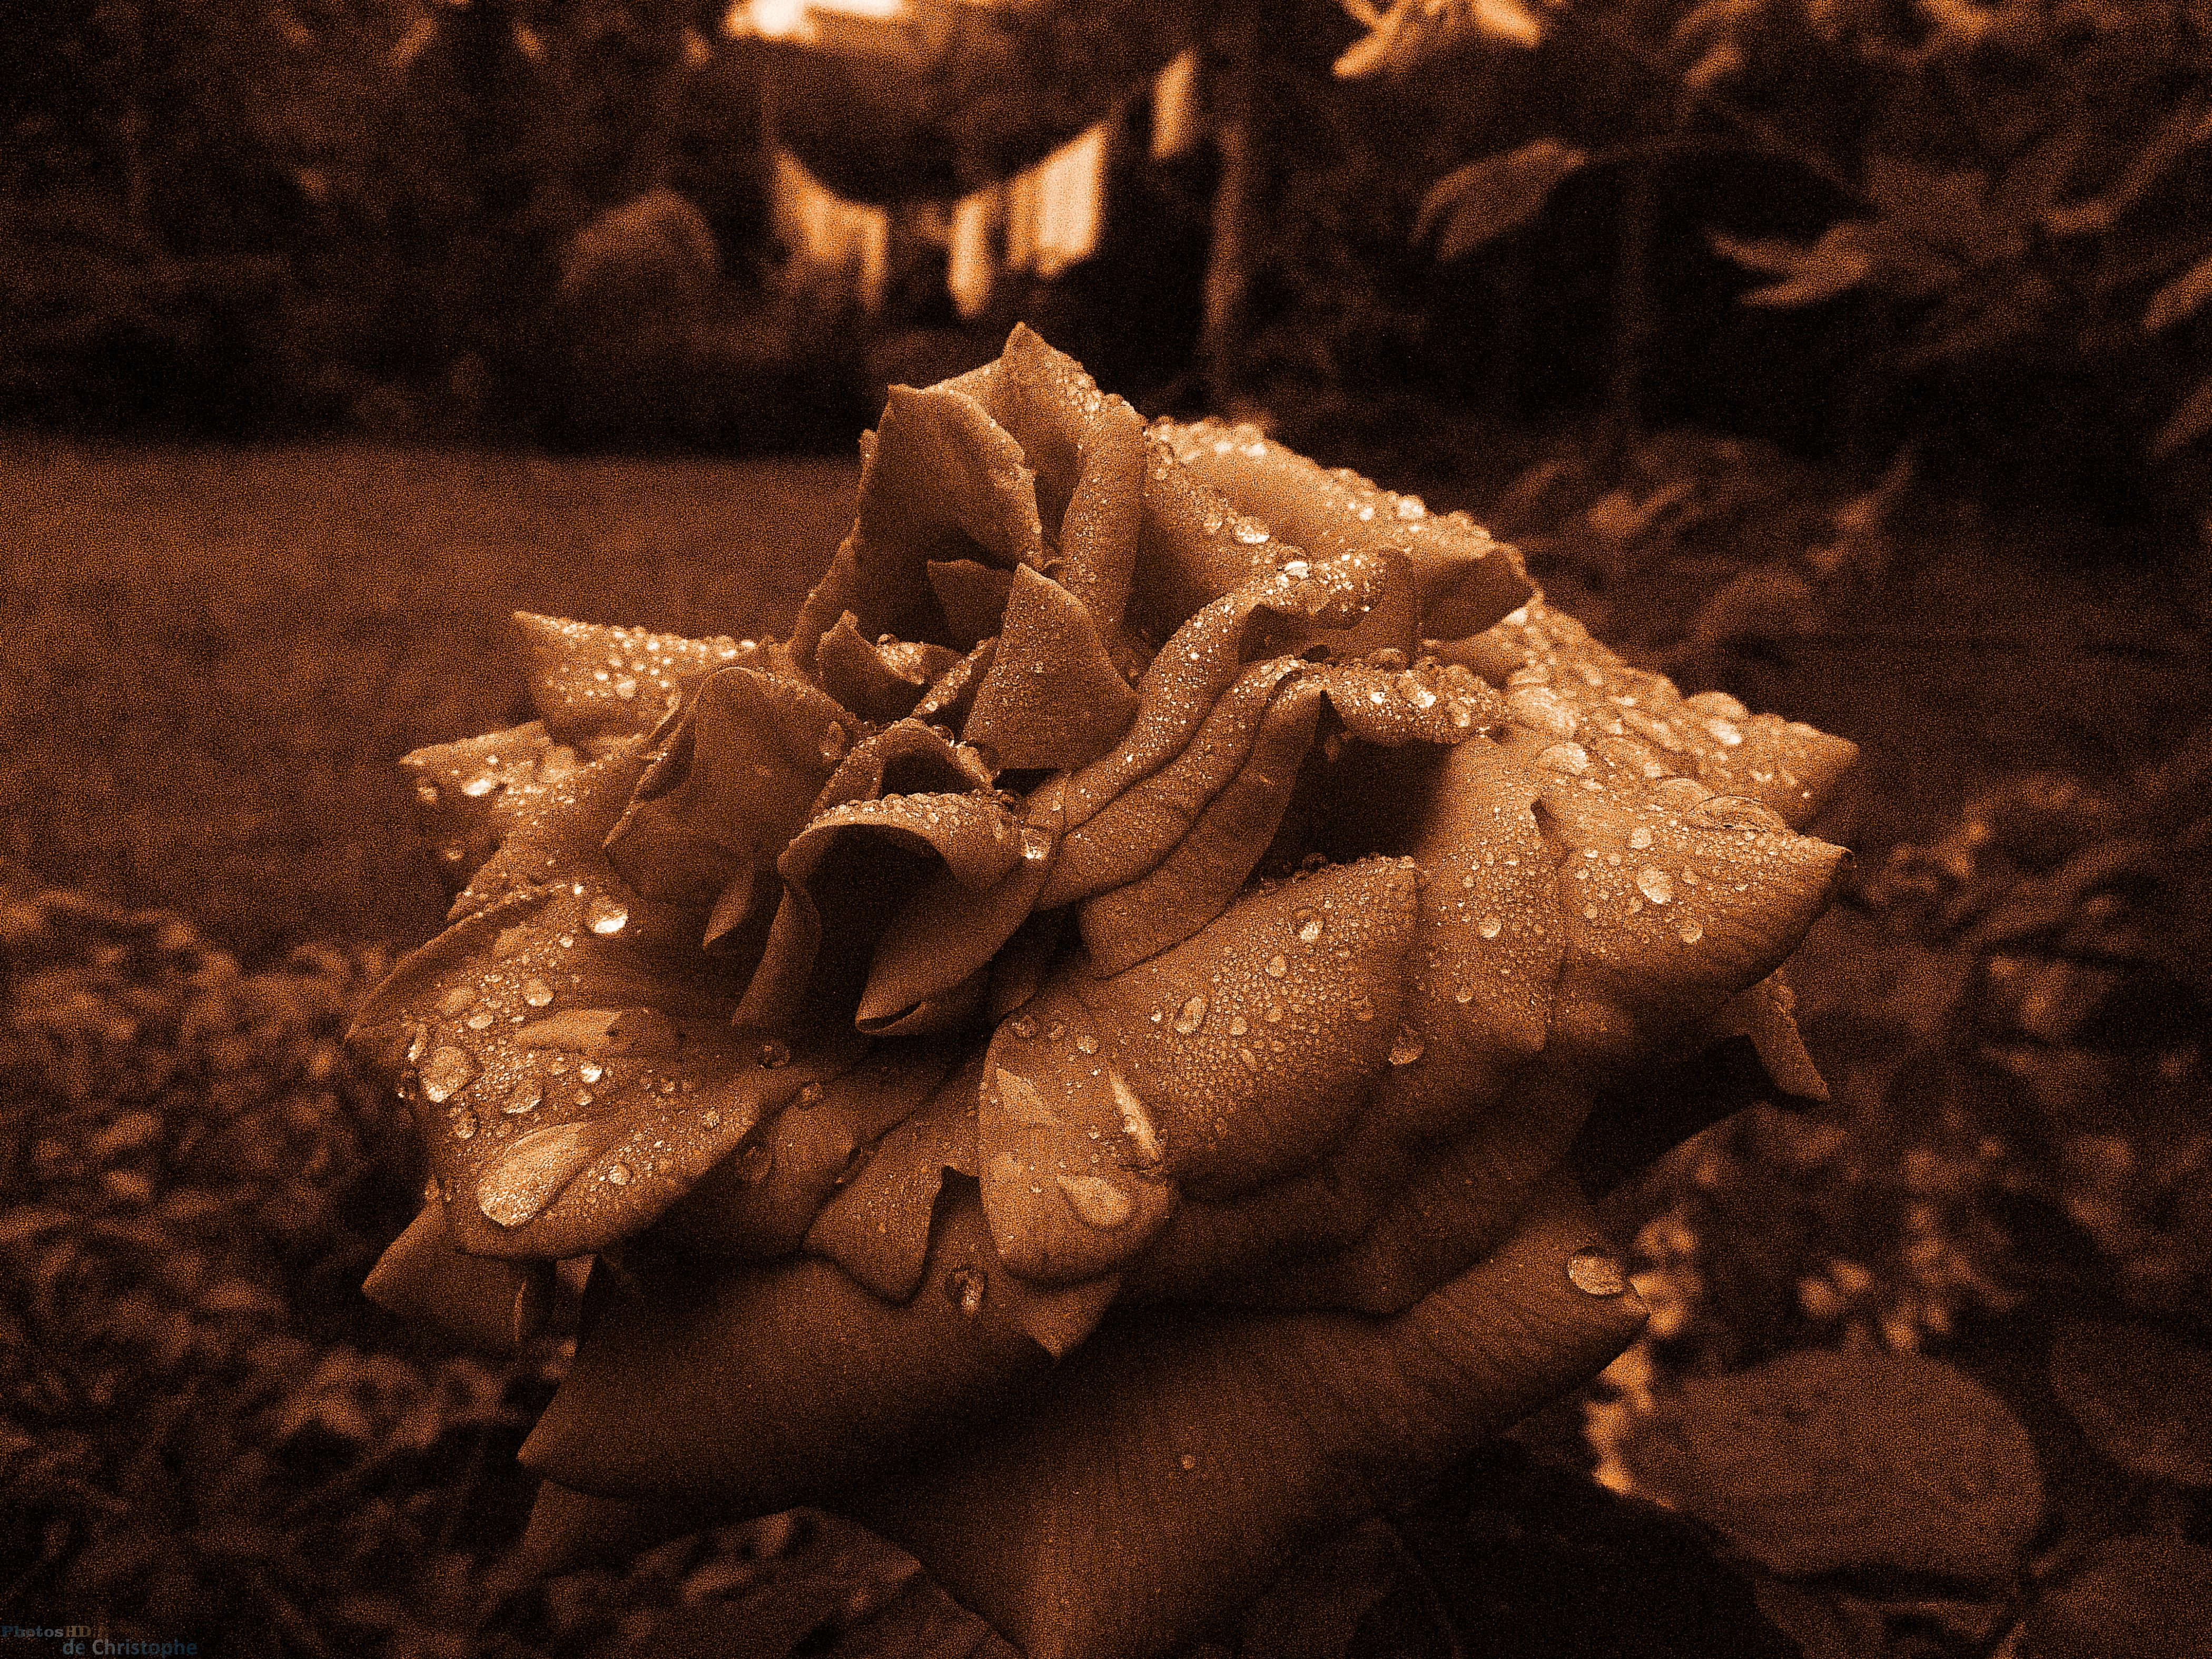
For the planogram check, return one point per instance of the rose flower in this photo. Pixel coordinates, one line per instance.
(1072, 1056)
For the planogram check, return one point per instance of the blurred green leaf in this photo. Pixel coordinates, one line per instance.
(2140, 1597)
(2179, 298)
(1838, 262)
(1477, 203)
(2188, 422)
(1822, 1461)
(2142, 1396)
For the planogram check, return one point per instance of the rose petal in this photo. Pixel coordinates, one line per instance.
(972, 596)
(1465, 579)
(1250, 1042)
(766, 1386)
(876, 1227)
(1692, 912)
(1071, 1165)
(759, 1202)
(475, 1299)
(587, 681)
(1791, 767)
(1390, 707)
(952, 694)
(867, 677)
(1204, 867)
(841, 877)
(1053, 699)
(1144, 1493)
(470, 795)
(732, 783)
(946, 934)
(943, 482)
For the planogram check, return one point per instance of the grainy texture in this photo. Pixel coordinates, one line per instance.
(215, 655)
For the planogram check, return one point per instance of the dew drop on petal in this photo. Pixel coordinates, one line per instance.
(1251, 532)
(1691, 931)
(1310, 926)
(1490, 927)
(1190, 1016)
(619, 1174)
(479, 1021)
(1408, 1049)
(533, 1171)
(710, 1119)
(606, 916)
(1568, 757)
(1654, 884)
(476, 787)
(773, 1054)
(1464, 996)
(590, 1070)
(625, 688)
(536, 993)
(1410, 507)
(465, 1126)
(1639, 837)
(1278, 965)
(523, 1098)
(447, 1073)
(1086, 1044)
(1597, 1273)
(1098, 1201)
(459, 1000)
(965, 1291)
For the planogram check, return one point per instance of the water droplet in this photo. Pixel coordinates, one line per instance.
(1457, 713)
(1464, 996)
(753, 1162)
(1297, 570)
(1408, 1049)
(1190, 1016)
(1023, 1027)
(1654, 884)
(479, 1021)
(567, 941)
(447, 1073)
(1727, 731)
(625, 688)
(1098, 1201)
(605, 915)
(480, 786)
(1250, 532)
(533, 1171)
(427, 792)
(1278, 965)
(1037, 844)
(465, 1126)
(1597, 1273)
(619, 1174)
(773, 1054)
(1544, 710)
(1363, 1009)
(1490, 927)
(710, 1119)
(1086, 1044)
(1238, 1026)
(1691, 931)
(1410, 507)
(459, 1000)
(536, 993)
(1135, 1120)
(590, 1070)
(1733, 812)
(1568, 757)
(1639, 837)
(523, 1098)
(1310, 926)
(1188, 1461)
(965, 1291)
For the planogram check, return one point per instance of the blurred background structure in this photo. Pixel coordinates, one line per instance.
(1853, 357)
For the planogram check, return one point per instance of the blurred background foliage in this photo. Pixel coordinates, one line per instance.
(1843, 225)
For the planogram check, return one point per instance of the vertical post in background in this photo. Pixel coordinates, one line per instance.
(1232, 61)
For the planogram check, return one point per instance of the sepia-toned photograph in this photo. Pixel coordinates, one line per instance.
(1106, 829)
